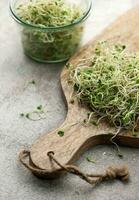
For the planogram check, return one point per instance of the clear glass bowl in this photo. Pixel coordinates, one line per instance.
(51, 44)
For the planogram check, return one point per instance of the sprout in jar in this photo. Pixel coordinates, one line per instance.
(44, 40)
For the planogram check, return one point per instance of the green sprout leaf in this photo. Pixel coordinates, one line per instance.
(27, 115)
(39, 107)
(22, 115)
(90, 160)
(33, 82)
(61, 133)
(93, 123)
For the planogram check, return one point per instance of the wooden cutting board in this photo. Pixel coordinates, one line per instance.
(78, 138)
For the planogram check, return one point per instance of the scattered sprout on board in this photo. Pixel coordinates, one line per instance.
(50, 45)
(108, 83)
(60, 133)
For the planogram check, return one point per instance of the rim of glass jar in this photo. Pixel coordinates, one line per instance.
(81, 19)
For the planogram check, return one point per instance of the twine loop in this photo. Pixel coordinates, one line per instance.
(121, 173)
(112, 172)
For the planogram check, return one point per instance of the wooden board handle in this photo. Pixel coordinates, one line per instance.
(76, 140)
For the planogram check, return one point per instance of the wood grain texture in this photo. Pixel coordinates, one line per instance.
(78, 138)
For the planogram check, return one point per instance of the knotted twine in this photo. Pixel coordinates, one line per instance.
(111, 172)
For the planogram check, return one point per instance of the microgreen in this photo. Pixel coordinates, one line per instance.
(60, 133)
(93, 123)
(90, 160)
(48, 13)
(50, 45)
(39, 107)
(109, 85)
(27, 115)
(35, 115)
(21, 114)
(33, 82)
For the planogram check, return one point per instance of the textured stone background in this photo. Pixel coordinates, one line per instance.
(16, 70)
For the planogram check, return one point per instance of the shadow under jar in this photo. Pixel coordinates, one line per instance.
(53, 43)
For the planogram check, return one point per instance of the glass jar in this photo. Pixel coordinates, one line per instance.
(52, 44)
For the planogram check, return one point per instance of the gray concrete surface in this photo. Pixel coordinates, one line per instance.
(16, 70)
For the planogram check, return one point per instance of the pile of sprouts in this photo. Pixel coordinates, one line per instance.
(50, 45)
(48, 13)
(108, 83)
